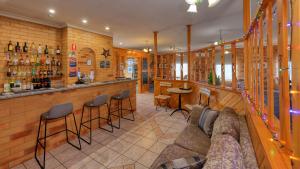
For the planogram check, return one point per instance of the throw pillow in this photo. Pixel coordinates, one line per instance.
(207, 119)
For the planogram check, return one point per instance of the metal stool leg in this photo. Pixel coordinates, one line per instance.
(130, 110)
(111, 113)
(83, 124)
(67, 130)
(43, 146)
(108, 120)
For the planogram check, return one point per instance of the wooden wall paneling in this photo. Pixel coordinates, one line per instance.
(234, 78)
(155, 51)
(270, 81)
(261, 65)
(296, 82)
(223, 66)
(284, 99)
(189, 38)
(213, 57)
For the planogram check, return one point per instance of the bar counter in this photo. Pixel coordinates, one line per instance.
(20, 113)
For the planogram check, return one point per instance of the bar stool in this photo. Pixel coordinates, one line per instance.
(119, 98)
(55, 113)
(96, 103)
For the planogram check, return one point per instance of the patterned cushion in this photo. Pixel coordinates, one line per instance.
(171, 152)
(224, 153)
(194, 162)
(226, 123)
(194, 139)
(246, 145)
(207, 119)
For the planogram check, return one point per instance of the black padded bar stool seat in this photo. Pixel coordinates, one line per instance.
(99, 101)
(57, 112)
(120, 98)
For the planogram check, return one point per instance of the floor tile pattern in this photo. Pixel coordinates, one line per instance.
(136, 145)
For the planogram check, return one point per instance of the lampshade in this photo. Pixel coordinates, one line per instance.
(192, 8)
(212, 3)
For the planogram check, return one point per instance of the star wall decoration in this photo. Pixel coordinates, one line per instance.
(105, 53)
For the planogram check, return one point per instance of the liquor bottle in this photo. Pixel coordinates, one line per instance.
(48, 61)
(18, 48)
(33, 71)
(27, 60)
(38, 61)
(15, 60)
(21, 60)
(57, 51)
(48, 72)
(43, 60)
(46, 51)
(53, 63)
(58, 63)
(8, 74)
(25, 48)
(7, 58)
(40, 50)
(10, 47)
(33, 49)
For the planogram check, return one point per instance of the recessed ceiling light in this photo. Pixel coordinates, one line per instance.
(84, 21)
(107, 28)
(227, 52)
(51, 11)
(121, 43)
(216, 43)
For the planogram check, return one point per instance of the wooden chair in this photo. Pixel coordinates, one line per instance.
(204, 92)
(163, 99)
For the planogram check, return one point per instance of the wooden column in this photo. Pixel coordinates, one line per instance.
(270, 70)
(246, 25)
(181, 66)
(261, 65)
(174, 65)
(296, 80)
(284, 98)
(189, 32)
(256, 57)
(213, 57)
(155, 53)
(206, 65)
(223, 66)
(234, 79)
(250, 63)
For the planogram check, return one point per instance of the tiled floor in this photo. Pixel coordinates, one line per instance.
(136, 145)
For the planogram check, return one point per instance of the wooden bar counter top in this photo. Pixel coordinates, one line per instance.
(20, 113)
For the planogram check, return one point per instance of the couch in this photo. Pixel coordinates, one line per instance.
(229, 146)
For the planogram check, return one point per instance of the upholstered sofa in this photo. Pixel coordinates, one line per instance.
(229, 146)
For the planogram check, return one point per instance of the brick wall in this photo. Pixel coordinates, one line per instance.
(22, 31)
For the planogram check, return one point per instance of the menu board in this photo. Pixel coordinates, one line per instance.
(72, 64)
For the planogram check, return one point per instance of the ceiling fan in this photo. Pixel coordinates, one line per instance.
(193, 4)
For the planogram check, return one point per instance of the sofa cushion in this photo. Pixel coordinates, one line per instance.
(224, 153)
(246, 145)
(195, 115)
(207, 119)
(227, 123)
(172, 152)
(193, 162)
(194, 139)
